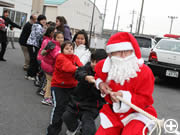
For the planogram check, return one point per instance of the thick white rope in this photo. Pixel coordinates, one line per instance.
(158, 123)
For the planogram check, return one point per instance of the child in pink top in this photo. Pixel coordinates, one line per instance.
(48, 36)
(49, 54)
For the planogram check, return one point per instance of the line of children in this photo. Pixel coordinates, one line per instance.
(63, 71)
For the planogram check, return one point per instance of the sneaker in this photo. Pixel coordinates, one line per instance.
(2, 59)
(26, 76)
(70, 133)
(42, 92)
(37, 83)
(47, 101)
(31, 78)
(77, 131)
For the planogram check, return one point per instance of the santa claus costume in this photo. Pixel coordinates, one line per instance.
(134, 80)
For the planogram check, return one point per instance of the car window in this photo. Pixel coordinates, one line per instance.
(169, 45)
(144, 42)
(158, 39)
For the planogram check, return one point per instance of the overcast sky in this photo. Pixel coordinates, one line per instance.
(155, 12)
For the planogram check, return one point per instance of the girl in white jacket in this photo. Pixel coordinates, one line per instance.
(82, 46)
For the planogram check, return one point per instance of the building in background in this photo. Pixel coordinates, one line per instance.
(77, 12)
(20, 11)
(7, 3)
(37, 6)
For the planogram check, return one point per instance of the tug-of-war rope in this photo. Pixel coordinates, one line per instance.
(158, 123)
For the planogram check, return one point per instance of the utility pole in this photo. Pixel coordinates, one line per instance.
(118, 22)
(92, 19)
(143, 25)
(137, 22)
(133, 12)
(142, 6)
(114, 18)
(105, 9)
(172, 19)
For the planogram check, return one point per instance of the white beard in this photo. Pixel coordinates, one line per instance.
(123, 69)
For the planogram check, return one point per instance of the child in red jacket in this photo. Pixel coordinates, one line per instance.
(62, 85)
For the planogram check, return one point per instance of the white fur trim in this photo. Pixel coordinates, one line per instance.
(138, 116)
(140, 61)
(103, 95)
(106, 65)
(116, 107)
(105, 122)
(122, 108)
(98, 81)
(122, 46)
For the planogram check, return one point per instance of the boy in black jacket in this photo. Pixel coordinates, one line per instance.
(86, 100)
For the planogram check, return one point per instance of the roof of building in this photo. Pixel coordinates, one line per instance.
(54, 2)
(59, 2)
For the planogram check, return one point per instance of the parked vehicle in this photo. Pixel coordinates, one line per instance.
(157, 39)
(164, 59)
(146, 44)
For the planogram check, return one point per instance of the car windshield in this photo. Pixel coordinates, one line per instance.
(169, 45)
(144, 42)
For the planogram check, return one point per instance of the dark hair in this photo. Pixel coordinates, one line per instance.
(57, 33)
(53, 24)
(64, 45)
(98, 55)
(49, 22)
(49, 31)
(41, 17)
(5, 11)
(62, 21)
(85, 36)
(31, 17)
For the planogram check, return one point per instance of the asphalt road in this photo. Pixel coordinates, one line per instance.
(21, 112)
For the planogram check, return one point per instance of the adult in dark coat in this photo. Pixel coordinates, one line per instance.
(3, 34)
(24, 37)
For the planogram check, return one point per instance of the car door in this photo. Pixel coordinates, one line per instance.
(145, 45)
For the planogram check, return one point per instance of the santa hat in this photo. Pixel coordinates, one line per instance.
(122, 41)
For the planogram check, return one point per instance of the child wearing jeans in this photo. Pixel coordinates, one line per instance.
(50, 52)
(86, 100)
(62, 84)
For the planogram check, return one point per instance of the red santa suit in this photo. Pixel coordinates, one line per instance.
(119, 118)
